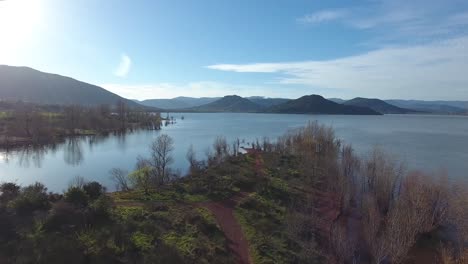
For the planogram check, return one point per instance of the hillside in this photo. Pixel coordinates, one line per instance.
(29, 85)
(316, 104)
(378, 105)
(267, 102)
(230, 103)
(337, 100)
(180, 102)
(436, 107)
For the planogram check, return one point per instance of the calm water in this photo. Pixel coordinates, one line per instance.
(427, 143)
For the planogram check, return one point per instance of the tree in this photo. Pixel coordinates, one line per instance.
(72, 115)
(221, 148)
(8, 191)
(120, 177)
(192, 159)
(31, 198)
(94, 190)
(122, 109)
(141, 179)
(161, 157)
(77, 196)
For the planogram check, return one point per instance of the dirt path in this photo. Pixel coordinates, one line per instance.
(224, 214)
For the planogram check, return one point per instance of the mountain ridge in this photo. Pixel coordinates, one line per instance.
(316, 104)
(378, 106)
(34, 86)
(229, 103)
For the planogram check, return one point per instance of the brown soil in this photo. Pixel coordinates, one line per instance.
(224, 214)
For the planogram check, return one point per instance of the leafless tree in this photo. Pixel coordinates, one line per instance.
(221, 149)
(122, 110)
(382, 176)
(372, 232)
(77, 182)
(191, 157)
(161, 157)
(120, 177)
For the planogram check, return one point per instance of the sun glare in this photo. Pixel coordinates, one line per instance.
(18, 19)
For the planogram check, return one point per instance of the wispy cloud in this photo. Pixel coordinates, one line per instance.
(435, 70)
(124, 66)
(322, 16)
(400, 20)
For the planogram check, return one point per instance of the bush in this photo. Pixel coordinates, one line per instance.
(94, 190)
(63, 216)
(77, 196)
(9, 191)
(31, 198)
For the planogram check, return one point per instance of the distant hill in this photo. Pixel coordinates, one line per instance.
(337, 100)
(436, 107)
(267, 102)
(316, 104)
(29, 85)
(230, 103)
(178, 102)
(378, 105)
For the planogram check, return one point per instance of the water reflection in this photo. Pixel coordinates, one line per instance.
(73, 152)
(96, 140)
(121, 140)
(33, 155)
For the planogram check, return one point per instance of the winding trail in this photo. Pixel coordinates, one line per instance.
(224, 213)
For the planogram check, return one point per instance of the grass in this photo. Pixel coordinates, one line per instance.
(166, 195)
(262, 221)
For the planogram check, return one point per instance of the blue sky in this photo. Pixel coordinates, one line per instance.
(284, 48)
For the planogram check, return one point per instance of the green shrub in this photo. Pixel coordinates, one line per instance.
(77, 197)
(8, 191)
(94, 190)
(31, 198)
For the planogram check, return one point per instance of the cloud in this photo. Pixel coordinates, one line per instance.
(434, 70)
(400, 20)
(322, 16)
(124, 66)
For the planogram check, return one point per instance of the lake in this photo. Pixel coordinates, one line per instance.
(424, 142)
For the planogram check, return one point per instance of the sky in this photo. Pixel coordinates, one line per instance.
(284, 48)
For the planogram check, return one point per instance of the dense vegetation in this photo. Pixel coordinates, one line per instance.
(305, 198)
(27, 123)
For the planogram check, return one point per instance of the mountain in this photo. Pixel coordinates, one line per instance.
(436, 107)
(178, 102)
(378, 105)
(30, 85)
(267, 102)
(316, 104)
(337, 100)
(230, 103)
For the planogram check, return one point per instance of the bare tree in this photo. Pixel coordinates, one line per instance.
(221, 148)
(161, 157)
(122, 109)
(191, 158)
(120, 177)
(77, 182)
(372, 222)
(382, 176)
(341, 245)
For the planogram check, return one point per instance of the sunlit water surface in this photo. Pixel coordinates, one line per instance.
(424, 142)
